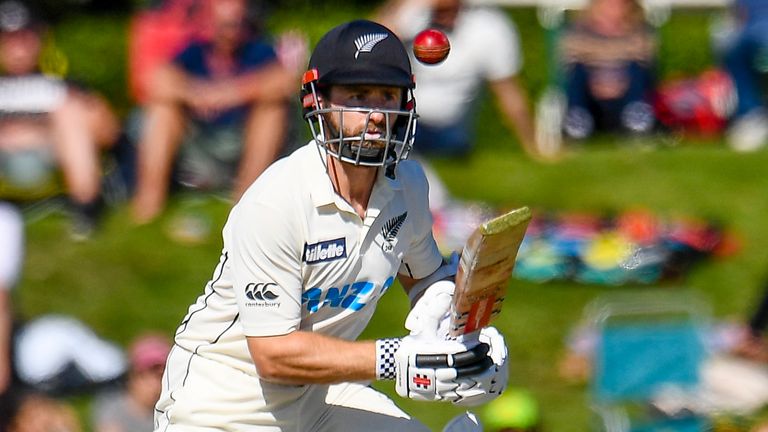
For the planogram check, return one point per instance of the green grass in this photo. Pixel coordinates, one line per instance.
(129, 279)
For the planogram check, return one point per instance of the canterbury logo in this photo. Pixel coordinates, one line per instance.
(366, 42)
(391, 228)
(260, 291)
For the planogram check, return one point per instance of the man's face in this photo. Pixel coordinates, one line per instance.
(228, 17)
(146, 384)
(372, 126)
(19, 51)
(445, 12)
(616, 11)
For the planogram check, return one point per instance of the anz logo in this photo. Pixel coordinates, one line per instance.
(352, 296)
(261, 295)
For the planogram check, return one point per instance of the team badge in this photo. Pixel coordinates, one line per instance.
(366, 42)
(389, 231)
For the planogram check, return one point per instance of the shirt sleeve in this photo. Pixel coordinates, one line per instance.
(257, 54)
(266, 269)
(507, 58)
(190, 58)
(423, 257)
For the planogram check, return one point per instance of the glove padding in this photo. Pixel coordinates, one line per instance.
(489, 384)
(429, 319)
(430, 370)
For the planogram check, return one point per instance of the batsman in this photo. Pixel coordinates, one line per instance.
(271, 344)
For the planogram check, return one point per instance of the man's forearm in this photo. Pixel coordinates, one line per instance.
(265, 132)
(272, 83)
(311, 358)
(169, 83)
(514, 104)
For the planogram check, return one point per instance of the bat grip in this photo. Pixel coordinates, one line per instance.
(471, 339)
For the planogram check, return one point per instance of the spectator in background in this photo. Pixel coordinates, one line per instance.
(132, 409)
(608, 55)
(746, 61)
(36, 412)
(484, 48)
(12, 235)
(221, 104)
(751, 342)
(47, 124)
(21, 409)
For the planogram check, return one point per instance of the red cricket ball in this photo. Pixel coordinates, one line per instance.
(431, 46)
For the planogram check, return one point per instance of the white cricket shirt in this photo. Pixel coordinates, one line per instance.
(297, 257)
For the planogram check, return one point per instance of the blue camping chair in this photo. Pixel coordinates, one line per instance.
(647, 343)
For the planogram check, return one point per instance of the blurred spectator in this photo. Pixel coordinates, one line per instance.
(132, 408)
(484, 47)
(751, 343)
(60, 355)
(35, 412)
(54, 356)
(608, 55)
(746, 60)
(46, 123)
(221, 104)
(12, 235)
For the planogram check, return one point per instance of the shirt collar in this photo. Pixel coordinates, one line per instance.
(322, 192)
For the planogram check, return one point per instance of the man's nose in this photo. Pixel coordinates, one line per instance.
(377, 117)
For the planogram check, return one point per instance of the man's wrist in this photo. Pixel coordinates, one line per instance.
(385, 358)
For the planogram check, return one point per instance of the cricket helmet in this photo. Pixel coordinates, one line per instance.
(360, 53)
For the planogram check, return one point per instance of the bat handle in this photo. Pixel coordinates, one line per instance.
(471, 339)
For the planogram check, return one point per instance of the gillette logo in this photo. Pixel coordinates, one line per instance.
(328, 250)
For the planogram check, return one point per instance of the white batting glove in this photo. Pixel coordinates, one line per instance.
(429, 371)
(430, 317)
(489, 384)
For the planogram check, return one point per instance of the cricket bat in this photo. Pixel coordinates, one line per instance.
(485, 268)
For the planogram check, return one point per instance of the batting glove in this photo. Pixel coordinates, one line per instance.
(430, 317)
(481, 388)
(429, 371)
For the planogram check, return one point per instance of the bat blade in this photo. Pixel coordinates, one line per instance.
(485, 268)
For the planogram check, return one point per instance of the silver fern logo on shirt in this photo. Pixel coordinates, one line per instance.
(389, 231)
(366, 42)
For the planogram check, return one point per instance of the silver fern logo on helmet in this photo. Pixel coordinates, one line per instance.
(366, 42)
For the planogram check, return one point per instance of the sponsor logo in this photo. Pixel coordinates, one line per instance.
(352, 296)
(421, 381)
(262, 295)
(389, 231)
(328, 250)
(366, 42)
